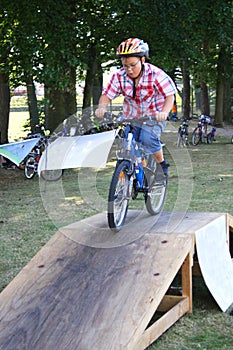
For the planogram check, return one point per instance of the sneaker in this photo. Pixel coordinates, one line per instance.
(162, 143)
(165, 166)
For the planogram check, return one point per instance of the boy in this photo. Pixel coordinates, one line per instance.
(147, 91)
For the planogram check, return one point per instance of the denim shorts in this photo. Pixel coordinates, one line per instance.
(149, 136)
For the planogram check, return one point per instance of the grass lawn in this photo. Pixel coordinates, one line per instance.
(16, 122)
(200, 179)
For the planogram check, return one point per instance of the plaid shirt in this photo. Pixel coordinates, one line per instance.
(153, 87)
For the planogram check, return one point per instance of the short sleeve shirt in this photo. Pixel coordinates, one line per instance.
(152, 89)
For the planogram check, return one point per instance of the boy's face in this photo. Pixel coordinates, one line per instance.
(132, 65)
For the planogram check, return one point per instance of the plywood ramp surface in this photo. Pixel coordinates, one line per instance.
(73, 296)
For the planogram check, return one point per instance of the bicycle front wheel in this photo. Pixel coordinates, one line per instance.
(157, 187)
(30, 167)
(118, 198)
(182, 140)
(178, 140)
(196, 136)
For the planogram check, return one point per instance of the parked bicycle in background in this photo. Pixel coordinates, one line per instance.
(201, 132)
(182, 139)
(32, 160)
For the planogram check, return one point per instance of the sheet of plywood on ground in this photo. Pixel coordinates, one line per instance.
(77, 297)
(214, 258)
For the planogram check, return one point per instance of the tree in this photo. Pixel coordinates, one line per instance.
(52, 41)
(5, 43)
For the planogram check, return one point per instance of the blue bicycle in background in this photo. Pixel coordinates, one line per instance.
(201, 133)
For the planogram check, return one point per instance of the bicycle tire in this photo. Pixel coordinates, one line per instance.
(210, 138)
(182, 140)
(30, 167)
(52, 175)
(118, 198)
(178, 140)
(196, 136)
(157, 188)
(186, 141)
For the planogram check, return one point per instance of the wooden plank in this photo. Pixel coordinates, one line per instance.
(168, 302)
(94, 231)
(73, 296)
(229, 230)
(162, 324)
(230, 221)
(76, 294)
(187, 278)
(184, 223)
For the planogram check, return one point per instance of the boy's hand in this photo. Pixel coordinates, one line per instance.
(100, 111)
(161, 116)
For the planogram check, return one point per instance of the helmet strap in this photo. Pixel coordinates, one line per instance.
(134, 79)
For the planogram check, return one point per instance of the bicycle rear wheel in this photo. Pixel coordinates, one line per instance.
(156, 193)
(196, 136)
(51, 175)
(210, 138)
(118, 198)
(30, 167)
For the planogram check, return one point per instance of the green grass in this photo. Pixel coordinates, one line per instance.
(16, 130)
(26, 224)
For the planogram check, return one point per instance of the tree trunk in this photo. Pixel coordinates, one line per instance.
(228, 85)
(60, 103)
(4, 107)
(98, 84)
(93, 81)
(219, 103)
(70, 93)
(227, 113)
(32, 103)
(219, 90)
(198, 98)
(186, 90)
(205, 106)
(88, 88)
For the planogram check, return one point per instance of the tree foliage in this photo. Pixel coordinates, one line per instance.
(58, 42)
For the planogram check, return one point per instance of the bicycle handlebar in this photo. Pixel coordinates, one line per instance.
(121, 119)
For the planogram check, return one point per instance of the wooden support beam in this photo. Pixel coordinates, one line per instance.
(187, 279)
(172, 307)
(176, 307)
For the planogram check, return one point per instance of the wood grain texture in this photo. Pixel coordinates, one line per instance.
(76, 297)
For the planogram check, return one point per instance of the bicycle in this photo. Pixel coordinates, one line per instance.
(200, 133)
(136, 172)
(32, 160)
(183, 133)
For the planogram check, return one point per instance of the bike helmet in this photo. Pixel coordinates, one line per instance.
(133, 47)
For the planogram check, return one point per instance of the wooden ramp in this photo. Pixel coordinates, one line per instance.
(73, 296)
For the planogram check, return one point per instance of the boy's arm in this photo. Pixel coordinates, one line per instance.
(168, 103)
(102, 107)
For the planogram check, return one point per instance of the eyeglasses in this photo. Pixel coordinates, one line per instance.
(130, 66)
